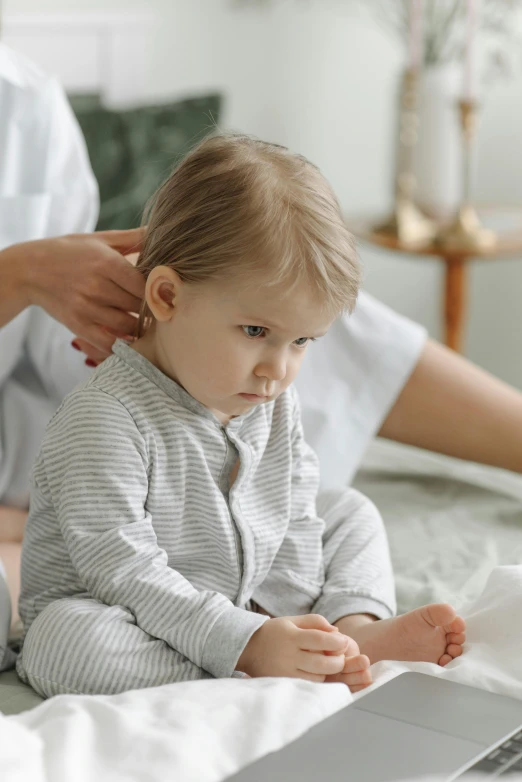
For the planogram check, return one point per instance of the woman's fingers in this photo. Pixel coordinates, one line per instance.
(114, 320)
(91, 352)
(125, 242)
(95, 341)
(127, 277)
(113, 295)
(132, 258)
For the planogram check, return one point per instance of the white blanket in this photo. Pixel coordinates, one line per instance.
(204, 731)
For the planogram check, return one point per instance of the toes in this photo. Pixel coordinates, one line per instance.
(454, 650)
(439, 615)
(455, 638)
(458, 625)
(445, 659)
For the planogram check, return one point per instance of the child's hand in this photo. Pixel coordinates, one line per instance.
(356, 672)
(303, 647)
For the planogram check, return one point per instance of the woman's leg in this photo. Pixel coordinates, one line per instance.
(451, 406)
(80, 645)
(12, 524)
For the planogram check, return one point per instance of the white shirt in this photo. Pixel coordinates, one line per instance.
(46, 189)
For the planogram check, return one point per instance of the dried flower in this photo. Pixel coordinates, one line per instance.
(445, 29)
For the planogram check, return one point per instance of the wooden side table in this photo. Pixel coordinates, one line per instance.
(507, 222)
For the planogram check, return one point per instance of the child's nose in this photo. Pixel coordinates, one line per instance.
(273, 368)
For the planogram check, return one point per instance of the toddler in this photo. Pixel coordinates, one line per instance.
(173, 530)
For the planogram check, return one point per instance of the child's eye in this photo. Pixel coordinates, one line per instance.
(253, 331)
(302, 341)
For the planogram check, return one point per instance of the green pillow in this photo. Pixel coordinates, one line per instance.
(133, 151)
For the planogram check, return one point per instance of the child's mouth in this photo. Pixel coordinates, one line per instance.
(253, 397)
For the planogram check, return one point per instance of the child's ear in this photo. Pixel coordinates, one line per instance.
(163, 287)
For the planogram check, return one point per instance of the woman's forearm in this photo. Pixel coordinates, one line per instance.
(14, 296)
(12, 524)
(451, 406)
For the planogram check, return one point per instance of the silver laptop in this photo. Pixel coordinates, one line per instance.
(413, 726)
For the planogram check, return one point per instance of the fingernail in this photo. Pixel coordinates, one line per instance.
(75, 345)
(90, 362)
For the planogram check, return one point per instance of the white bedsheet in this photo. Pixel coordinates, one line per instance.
(204, 731)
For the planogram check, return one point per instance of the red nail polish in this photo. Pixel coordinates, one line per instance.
(75, 345)
(90, 362)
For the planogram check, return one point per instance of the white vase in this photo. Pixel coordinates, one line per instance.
(438, 156)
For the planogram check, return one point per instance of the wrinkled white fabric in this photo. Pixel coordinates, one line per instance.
(204, 731)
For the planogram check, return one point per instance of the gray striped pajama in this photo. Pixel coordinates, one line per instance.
(139, 564)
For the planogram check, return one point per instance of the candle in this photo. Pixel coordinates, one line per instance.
(416, 34)
(470, 65)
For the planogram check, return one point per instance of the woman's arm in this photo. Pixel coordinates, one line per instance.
(13, 273)
(81, 280)
(451, 406)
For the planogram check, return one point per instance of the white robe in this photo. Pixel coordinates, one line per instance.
(46, 189)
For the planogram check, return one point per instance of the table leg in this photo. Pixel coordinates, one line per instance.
(455, 301)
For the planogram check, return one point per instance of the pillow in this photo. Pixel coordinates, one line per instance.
(132, 151)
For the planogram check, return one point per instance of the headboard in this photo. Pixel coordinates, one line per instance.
(91, 52)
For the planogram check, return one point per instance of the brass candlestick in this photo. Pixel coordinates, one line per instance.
(407, 223)
(465, 233)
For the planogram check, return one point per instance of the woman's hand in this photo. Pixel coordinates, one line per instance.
(86, 282)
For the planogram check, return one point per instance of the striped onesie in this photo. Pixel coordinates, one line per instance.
(141, 563)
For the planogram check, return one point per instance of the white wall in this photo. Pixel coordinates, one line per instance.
(320, 77)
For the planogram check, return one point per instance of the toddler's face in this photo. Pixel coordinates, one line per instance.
(230, 347)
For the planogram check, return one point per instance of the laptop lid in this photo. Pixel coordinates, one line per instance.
(412, 726)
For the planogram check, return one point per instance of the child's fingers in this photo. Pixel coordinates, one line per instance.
(355, 664)
(319, 641)
(455, 638)
(313, 622)
(321, 664)
(350, 650)
(355, 681)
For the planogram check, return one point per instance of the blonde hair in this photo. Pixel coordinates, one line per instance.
(235, 206)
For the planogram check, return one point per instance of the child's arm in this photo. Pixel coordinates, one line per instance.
(296, 577)
(93, 474)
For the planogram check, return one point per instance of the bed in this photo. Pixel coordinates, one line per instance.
(455, 532)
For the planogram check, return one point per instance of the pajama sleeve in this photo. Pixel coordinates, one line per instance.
(296, 577)
(96, 471)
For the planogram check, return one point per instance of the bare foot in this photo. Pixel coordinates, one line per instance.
(433, 634)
